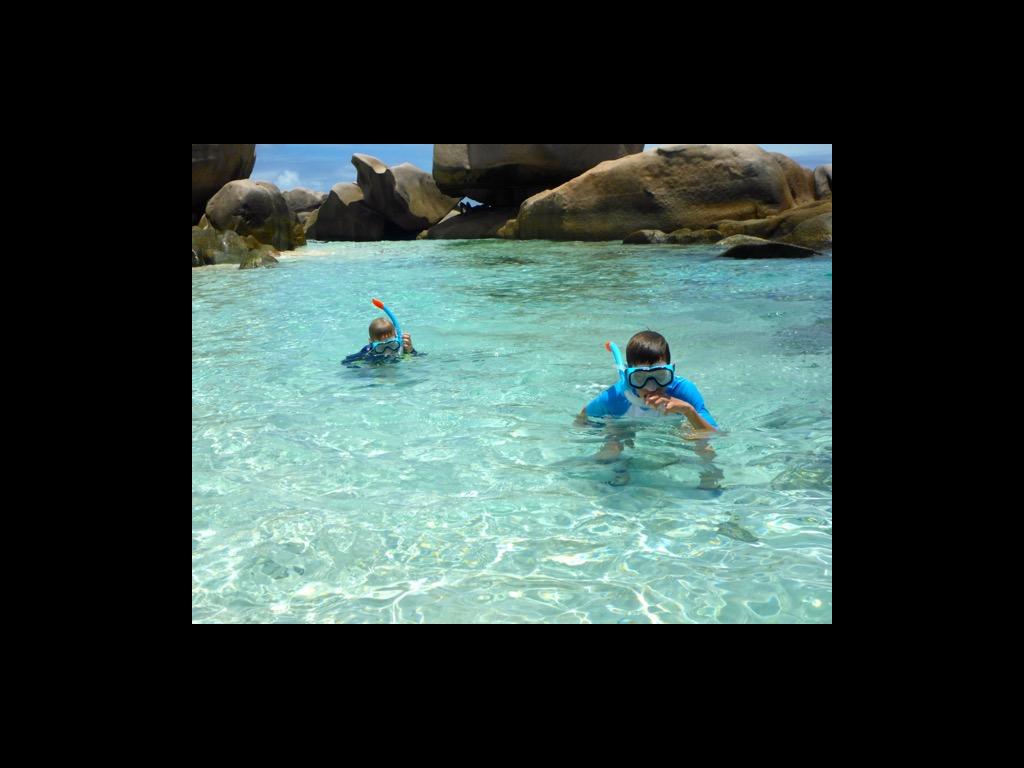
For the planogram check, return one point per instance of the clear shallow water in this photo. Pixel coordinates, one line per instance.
(454, 487)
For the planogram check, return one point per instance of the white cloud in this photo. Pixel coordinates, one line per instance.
(345, 173)
(287, 180)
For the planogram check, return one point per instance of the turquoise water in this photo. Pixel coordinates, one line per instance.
(455, 486)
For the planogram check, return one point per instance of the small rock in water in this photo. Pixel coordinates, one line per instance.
(733, 531)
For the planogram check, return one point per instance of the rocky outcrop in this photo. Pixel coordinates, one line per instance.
(404, 195)
(768, 250)
(473, 224)
(775, 227)
(729, 242)
(301, 200)
(823, 181)
(645, 237)
(509, 230)
(213, 166)
(255, 208)
(799, 179)
(814, 233)
(210, 246)
(346, 216)
(507, 174)
(689, 237)
(262, 256)
(682, 186)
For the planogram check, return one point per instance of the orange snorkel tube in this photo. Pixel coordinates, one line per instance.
(391, 315)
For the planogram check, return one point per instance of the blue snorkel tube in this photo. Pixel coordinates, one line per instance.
(619, 365)
(394, 321)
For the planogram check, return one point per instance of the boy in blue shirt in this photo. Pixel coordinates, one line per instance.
(648, 388)
(383, 343)
(387, 342)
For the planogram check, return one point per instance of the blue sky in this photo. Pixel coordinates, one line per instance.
(321, 166)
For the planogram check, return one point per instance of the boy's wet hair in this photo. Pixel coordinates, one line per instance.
(381, 328)
(647, 348)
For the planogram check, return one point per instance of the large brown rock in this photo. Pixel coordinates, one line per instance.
(823, 181)
(732, 240)
(405, 195)
(475, 224)
(254, 208)
(688, 237)
(815, 232)
(799, 179)
(507, 174)
(302, 200)
(775, 227)
(261, 256)
(509, 230)
(213, 166)
(768, 250)
(686, 185)
(645, 237)
(210, 246)
(346, 216)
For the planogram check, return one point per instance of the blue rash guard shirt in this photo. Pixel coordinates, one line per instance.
(614, 402)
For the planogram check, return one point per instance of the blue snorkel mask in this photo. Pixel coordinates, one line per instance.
(638, 376)
(385, 347)
(662, 375)
(392, 345)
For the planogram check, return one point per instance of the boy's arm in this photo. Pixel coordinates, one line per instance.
(691, 408)
(701, 418)
(695, 418)
(595, 408)
(356, 356)
(675, 405)
(407, 344)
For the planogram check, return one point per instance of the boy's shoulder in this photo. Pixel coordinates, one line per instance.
(682, 385)
(615, 388)
(357, 355)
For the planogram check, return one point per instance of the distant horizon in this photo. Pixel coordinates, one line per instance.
(320, 166)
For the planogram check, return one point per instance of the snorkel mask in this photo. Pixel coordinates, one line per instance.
(392, 345)
(662, 375)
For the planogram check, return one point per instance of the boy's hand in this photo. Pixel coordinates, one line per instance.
(407, 342)
(668, 404)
